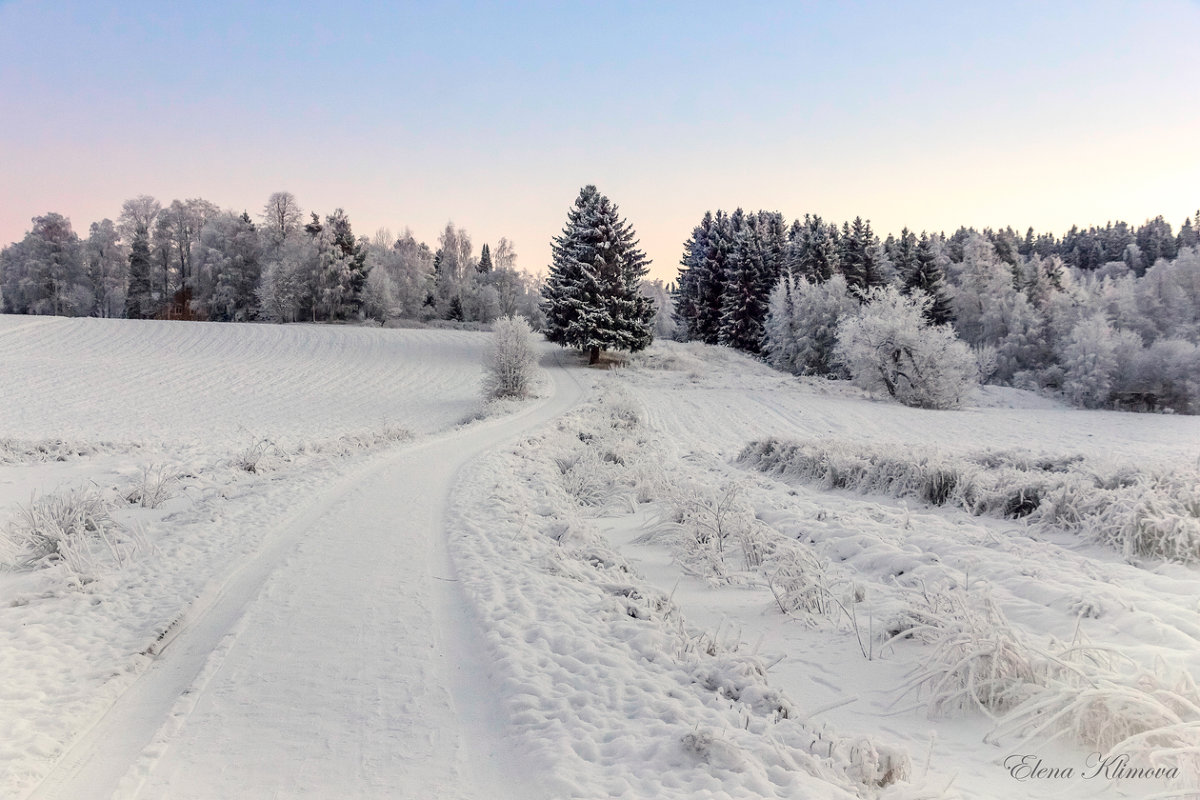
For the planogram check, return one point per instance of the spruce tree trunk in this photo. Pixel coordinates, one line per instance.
(594, 356)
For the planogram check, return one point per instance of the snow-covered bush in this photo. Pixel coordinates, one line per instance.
(511, 360)
(53, 527)
(153, 488)
(801, 325)
(888, 346)
(978, 660)
(799, 581)
(252, 458)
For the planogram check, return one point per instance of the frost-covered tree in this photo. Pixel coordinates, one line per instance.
(511, 361)
(343, 268)
(281, 218)
(756, 261)
(283, 293)
(505, 256)
(182, 222)
(729, 265)
(903, 254)
(1089, 360)
(801, 328)
(1189, 234)
(664, 317)
(889, 347)
(452, 266)
(1168, 375)
(44, 272)
(138, 213)
(105, 263)
(228, 263)
(400, 277)
(1168, 297)
(591, 298)
(990, 311)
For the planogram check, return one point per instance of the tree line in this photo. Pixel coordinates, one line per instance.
(1106, 317)
(192, 260)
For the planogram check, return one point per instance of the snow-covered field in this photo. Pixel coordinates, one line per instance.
(306, 579)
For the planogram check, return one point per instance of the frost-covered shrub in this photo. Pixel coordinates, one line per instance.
(53, 527)
(252, 458)
(888, 347)
(153, 488)
(1113, 715)
(799, 581)
(801, 325)
(978, 660)
(511, 361)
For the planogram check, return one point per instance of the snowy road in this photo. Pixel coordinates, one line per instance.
(338, 662)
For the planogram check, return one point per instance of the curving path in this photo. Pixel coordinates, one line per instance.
(338, 662)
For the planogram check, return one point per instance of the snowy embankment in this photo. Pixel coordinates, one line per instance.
(940, 644)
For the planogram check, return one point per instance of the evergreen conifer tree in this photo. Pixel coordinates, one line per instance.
(687, 294)
(591, 298)
(859, 257)
(713, 274)
(137, 297)
(904, 257)
(485, 261)
(746, 293)
(345, 269)
(1189, 236)
(929, 278)
(816, 255)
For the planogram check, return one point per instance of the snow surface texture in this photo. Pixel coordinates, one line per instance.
(145, 381)
(213, 451)
(268, 605)
(957, 638)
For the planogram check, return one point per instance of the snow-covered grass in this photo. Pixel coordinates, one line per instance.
(951, 569)
(611, 689)
(1152, 513)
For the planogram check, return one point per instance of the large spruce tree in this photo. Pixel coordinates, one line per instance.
(591, 297)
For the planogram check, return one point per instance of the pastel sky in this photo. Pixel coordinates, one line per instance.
(493, 115)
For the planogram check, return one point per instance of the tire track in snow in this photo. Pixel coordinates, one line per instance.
(338, 611)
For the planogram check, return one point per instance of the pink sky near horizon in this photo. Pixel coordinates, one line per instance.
(929, 117)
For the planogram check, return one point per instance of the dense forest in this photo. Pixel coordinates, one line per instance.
(1106, 317)
(192, 260)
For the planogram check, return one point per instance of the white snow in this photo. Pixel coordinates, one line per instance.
(347, 594)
